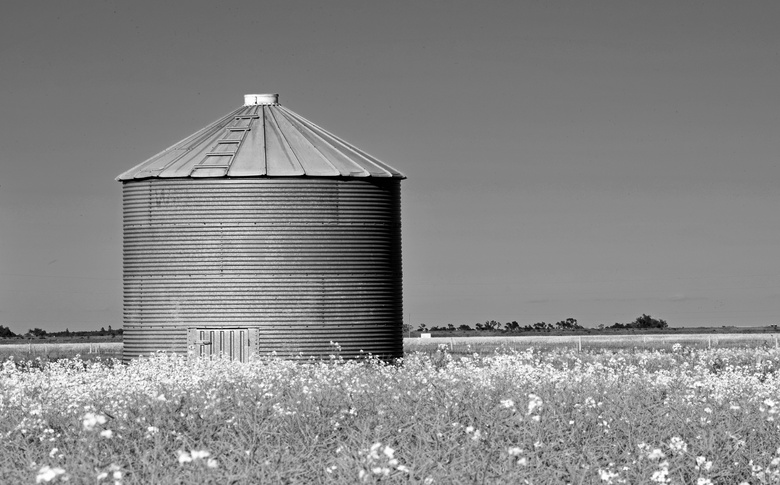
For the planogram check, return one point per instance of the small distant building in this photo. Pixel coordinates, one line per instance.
(262, 233)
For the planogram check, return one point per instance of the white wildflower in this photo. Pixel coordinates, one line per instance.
(702, 463)
(534, 402)
(677, 445)
(656, 454)
(184, 457)
(607, 476)
(47, 474)
(91, 420)
(197, 455)
(660, 476)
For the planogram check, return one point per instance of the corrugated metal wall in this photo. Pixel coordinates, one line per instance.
(303, 261)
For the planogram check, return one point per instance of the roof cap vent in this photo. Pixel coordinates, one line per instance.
(260, 99)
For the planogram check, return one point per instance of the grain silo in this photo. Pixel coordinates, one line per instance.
(262, 233)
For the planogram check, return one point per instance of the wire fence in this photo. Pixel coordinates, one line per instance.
(457, 345)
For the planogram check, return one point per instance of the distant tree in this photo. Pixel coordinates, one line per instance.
(465, 327)
(67, 332)
(491, 325)
(405, 328)
(540, 326)
(646, 321)
(6, 332)
(601, 326)
(568, 324)
(37, 332)
(512, 326)
(450, 327)
(422, 328)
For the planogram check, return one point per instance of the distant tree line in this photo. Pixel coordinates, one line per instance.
(6, 332)
(509, 327)
(570, 324)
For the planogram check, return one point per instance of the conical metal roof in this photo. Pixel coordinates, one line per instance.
(261, 139)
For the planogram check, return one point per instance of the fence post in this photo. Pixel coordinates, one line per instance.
(709, 342)
(579, 344)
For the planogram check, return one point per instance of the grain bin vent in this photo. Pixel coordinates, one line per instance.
(262, 233)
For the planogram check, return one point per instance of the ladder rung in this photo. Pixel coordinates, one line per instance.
(247, 117)
(205, 167)
(238, 128)
(225, 142)
(220, 154)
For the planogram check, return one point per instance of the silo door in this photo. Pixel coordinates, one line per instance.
(226, 343)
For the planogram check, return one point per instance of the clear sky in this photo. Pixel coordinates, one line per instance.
(595, 160)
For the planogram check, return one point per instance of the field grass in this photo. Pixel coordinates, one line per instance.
(467, 345)
(55, 351)
(687, 415)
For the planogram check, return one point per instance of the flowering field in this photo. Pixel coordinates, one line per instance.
(679, 416)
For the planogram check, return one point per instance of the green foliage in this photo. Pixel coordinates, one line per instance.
(6, 332)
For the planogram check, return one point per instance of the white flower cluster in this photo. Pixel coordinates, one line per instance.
(380, 461)
(196, 456)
